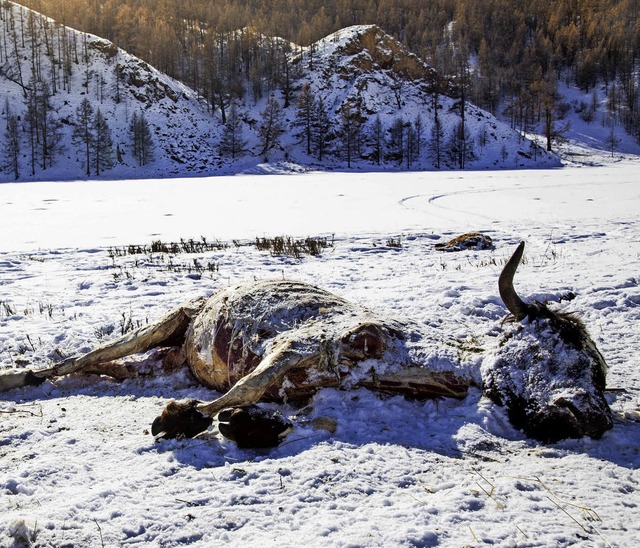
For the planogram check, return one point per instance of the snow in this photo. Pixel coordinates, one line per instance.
(79, 467)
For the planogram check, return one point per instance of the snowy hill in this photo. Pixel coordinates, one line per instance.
(363, 66)
(390, 94)
(76, 66)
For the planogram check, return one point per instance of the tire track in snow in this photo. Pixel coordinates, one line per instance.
(432, 203)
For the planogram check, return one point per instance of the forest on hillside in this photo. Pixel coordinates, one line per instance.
(73, 96)
(506, 56)
(506, 53)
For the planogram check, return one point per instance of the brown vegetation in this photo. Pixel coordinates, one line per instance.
(513, 39)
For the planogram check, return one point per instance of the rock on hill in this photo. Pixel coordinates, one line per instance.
(359, 70)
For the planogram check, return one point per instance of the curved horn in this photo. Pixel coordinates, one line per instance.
(510, 298)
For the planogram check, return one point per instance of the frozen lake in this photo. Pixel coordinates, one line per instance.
(89, 214)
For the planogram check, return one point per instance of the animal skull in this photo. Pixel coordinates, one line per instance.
(548, 372)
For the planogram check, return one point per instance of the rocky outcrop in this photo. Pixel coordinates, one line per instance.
(371, 49)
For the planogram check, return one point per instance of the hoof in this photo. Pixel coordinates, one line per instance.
(252, 427)
(180, 419)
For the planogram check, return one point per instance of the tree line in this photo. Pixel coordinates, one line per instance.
(354, 135)
(520, 46)
(45, 58)
(507, 56)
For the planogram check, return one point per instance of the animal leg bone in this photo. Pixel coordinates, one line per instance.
(272, 369)
(167, 329)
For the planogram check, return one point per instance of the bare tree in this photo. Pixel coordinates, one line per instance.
(43, 128)
(377, 139)
(612, 141)
(437, 136)
(305, 115)
(103, 157)
(395, 143)
(141, 138)
(412, 145)
(321, 129)
(11, 154)
(460, 148)
(350, 129)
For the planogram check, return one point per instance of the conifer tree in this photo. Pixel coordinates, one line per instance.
(377, 139)
(103, 153)
(146, 141)
(83, 131)
(460, 148)
(612, 141)
(11, 155)
(271, 126)
(43, 128)
(305, 115)
(134, 134)
(395, 144)
(141, 138)
(437, 136)
(232, 143)
(412, 145)
(321, 129)
(418, 127)
(350, 129)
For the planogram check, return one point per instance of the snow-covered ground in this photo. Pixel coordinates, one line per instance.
(79, 467)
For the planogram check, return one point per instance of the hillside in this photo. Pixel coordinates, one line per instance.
(519, 49)
(379, 105)
(75, 66)
(363, 68)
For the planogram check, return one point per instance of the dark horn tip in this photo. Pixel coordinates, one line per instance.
(157, 427)
(505, 285)
(519, 251)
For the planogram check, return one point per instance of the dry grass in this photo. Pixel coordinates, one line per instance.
(286, 246)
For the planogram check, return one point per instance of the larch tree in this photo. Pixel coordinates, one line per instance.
(103, 151)
(141, 138)
(459, 147)
(612, 141)
(377, 139)
(232, 142)
(83, 131)
(412, 145)
(271, 126)
(418, 128)
(305, 116)
(435, 145)
(350, 130)
(42, 126)
(11, 154)
(395, 142)
(321, 129)
(545, 91)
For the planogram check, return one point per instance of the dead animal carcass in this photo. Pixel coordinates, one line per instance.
(284, 340)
